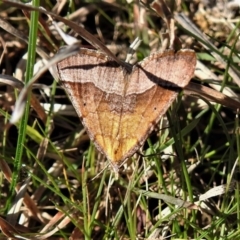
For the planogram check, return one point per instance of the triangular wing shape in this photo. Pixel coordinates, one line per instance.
(119, 109)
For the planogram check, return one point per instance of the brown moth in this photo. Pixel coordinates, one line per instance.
(119, 109)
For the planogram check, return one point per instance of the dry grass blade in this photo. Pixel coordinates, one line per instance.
(176, 201)
(204, 73)
(14, 211)
(53, 226)
(9, 230)
(219, 190)
(211, 95)
(12, 81)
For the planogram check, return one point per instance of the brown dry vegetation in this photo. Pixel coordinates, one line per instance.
(193, 150)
